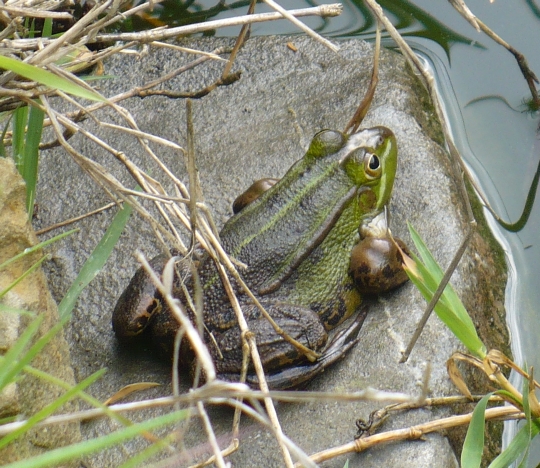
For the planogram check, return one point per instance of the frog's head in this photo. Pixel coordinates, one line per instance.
(370, 159)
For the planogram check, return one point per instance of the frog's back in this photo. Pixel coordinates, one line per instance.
(274, 234)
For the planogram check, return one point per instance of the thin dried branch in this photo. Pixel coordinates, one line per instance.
(215, 392)
(200, 349)
(67, 222)
(218, 456)
(414, 432)
(160, 34)
(479, 25)
(34, 13)
(228, 80)
(302, 26)
(187, 50)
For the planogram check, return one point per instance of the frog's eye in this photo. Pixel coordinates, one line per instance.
(372, 165)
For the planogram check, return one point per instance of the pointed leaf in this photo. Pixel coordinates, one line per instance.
(47, 78)
(50, 408)
(95, 261)
(449, 308)
(63, 454)
(517, 446)
(471, 455)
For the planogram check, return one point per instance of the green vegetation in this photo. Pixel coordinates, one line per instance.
(426, 277)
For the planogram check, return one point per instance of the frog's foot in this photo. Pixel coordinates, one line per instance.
(297, 376)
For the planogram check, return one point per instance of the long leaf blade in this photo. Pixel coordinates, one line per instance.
(95, 261)
(517, 446)
(31, 155)
(60, 455)
(471, 455)
(51, 408)
(449, 308)
(12, 357)
(47, 78)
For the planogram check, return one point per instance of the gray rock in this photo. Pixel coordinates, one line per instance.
(27, 394)
(256, 128)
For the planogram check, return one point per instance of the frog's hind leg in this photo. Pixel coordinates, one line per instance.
(294, 377)
(299, 323)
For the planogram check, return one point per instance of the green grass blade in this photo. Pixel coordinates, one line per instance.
(13, 310)
(30, 156)
(60, 455)
(95, 262)
(47, 28)
(24, 275)
(51, 379)
(450, 295)
(32, 28)
(425, 254)
(37, 247)
(463, 332)
(3, 137)
(18, 364)
(527, 410)
(11, 358)
(449, 308)
(47, 78)
(50, 408)
(517, 446)
(471, 455)
(20, 117)
(142, 456)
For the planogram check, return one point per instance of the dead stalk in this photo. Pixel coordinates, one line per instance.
(74, 220)
(414, 432)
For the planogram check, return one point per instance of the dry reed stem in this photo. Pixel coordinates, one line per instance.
(414, 432)
(34, 13)
(160, 34)
(218, 393)
(479, 25)
(74, 220)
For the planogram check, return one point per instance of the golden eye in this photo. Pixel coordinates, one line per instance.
(372, 165)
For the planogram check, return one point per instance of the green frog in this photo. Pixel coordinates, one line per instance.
(296, 236)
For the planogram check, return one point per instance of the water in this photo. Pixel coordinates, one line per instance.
(483, 91)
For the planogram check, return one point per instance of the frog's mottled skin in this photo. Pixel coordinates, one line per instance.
(296, 239)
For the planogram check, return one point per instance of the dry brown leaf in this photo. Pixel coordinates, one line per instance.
(457, 378)
(128, 390)
(534, 405)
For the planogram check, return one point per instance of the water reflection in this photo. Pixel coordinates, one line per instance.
(356, 20)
